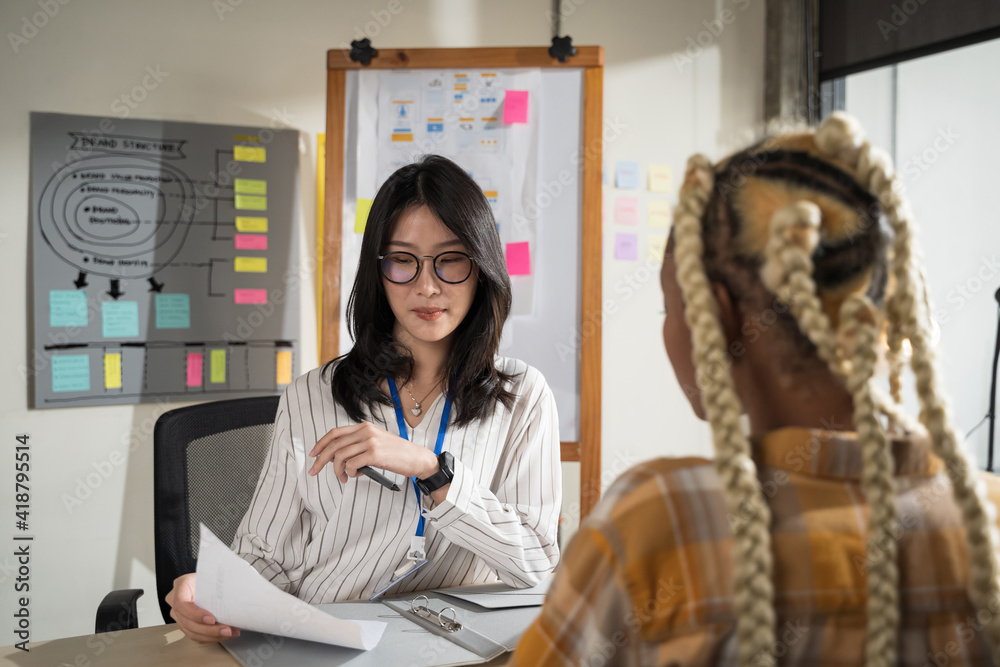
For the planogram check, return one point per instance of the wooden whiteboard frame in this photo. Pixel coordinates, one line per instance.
(587, 451)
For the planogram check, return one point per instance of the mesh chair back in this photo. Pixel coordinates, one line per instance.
(207, 459)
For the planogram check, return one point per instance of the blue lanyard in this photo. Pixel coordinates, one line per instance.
(401, 423)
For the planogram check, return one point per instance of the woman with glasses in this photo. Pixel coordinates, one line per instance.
(469, 439)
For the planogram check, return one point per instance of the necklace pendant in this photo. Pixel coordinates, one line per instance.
(416, 411)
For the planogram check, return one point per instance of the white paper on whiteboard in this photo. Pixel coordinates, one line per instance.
(236, 594)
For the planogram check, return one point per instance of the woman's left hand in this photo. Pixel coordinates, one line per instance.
(358, 445)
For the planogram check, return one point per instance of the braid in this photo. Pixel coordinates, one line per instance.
(841, 137)
(787, 271)
(752, 560)
(858, 333)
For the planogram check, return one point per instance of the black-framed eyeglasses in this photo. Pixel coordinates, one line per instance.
(402, 267)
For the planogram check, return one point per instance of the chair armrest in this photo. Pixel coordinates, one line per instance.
(117, 611)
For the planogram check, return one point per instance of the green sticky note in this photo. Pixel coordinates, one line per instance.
(67, 308)
(361, 215)
(173, 311)
(250, 186)
(71, 372)
(217, 361)
(251, 202)
(120, 319)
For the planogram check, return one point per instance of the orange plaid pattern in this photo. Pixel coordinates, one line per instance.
(647, 579)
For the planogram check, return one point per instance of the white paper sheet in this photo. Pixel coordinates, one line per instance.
(499, 595)
(236, 594)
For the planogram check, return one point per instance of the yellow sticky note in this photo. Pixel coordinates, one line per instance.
(113, 371)
(659, 178)
(251, 202)
(656, 245)
(249, 154)
(250, 264)
(284, 367)
(256, 225)
(361, 215)
(250, 186)
(217, 362)
(659, 214)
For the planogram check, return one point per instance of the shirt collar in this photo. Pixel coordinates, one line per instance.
(837, 454)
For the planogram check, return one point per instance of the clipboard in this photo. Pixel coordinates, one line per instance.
(409, 639)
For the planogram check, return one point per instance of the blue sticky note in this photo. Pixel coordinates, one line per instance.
(67, 308)
(627, 175)
(120, 319)
(173, 311)
(71, 372)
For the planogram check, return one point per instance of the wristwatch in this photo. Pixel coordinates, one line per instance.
(446, 463)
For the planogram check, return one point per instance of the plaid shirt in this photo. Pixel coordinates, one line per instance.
(647, 579)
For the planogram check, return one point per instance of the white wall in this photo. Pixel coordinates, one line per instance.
(265, 60)
(947, 141)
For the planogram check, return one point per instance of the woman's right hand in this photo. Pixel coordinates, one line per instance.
(196, 623)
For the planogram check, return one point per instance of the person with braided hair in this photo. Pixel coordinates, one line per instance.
(838, 530)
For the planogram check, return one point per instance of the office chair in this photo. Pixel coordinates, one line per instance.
(206, 462)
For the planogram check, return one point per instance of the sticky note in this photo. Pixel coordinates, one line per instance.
(659, 178)
(656, 244)
(67, 308)
(250, 186)
(250, 264)
(515, 106)
(195, 366)
(113, 371)
(244, 295)
(659, 214)
(626, 210)
(361, 215)
(249, 154)
(255, 225)
(251, 202)
(173, 311)
(626, 246)
(217, 364)
(250, 241)
(71, 372)
(120, 319)
(283, 370)
(519, 259)
(627, 175)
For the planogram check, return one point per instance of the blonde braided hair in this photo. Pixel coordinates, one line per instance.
(850, 351)
(907, 321)
(752, 561)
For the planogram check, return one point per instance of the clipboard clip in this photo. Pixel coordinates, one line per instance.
(424, 611)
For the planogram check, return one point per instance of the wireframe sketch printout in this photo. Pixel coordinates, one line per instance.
(236, 594)
(163, 260)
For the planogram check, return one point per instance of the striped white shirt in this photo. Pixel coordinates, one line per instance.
(324, 541)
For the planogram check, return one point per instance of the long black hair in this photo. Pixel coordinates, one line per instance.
(473, 379)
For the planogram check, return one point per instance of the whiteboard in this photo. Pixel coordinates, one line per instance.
(548, 338)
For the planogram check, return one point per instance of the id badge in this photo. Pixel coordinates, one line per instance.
(417, 552)
(402, 572)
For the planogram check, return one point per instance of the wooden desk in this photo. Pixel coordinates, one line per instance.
(155, 646)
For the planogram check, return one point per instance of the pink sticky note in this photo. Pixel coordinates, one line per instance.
(518, 259)
(251, 241)
(515, 106)
(195, 363)
(626, 210)
(626, 246)
(250, 296)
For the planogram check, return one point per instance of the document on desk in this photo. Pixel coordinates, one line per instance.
(235, 593)
(500, 595)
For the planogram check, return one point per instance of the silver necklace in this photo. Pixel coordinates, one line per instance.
(416, 410)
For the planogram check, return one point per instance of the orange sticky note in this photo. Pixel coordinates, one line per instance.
(519, 259)
(283, 370)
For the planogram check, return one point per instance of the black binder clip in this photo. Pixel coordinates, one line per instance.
(562, 48)
(362, 51)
